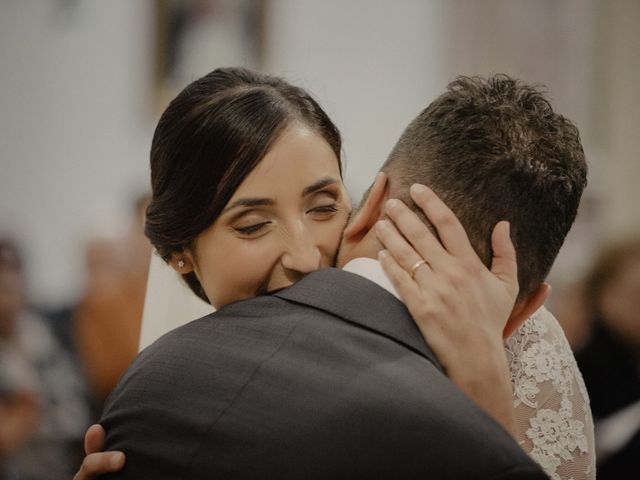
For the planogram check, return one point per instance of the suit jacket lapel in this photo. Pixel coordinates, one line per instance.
(362, 302)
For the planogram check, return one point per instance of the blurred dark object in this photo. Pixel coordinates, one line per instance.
(610, 360)
(43, 411)
(192, 34)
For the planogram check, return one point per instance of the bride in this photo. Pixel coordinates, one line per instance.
(205, 152)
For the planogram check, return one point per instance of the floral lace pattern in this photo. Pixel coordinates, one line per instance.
(550, 399)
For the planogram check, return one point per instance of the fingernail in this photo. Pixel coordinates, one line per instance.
(382, 254)
(418, 188)
(381, 225)
(116, 459)
(392, 204)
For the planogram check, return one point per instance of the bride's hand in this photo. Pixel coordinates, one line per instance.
(96, 461)
(460, 306)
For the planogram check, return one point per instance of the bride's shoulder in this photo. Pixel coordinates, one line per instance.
(541, 331)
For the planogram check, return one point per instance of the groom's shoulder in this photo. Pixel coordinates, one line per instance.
(263, 319)
(212, 352)
(267, 315)
(246, 332)
(239, 335)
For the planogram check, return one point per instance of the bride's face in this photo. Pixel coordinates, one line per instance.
(284, 221)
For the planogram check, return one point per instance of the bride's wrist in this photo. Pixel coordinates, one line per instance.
(478, 363)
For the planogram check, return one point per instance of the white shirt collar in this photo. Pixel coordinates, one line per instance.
(371, 270)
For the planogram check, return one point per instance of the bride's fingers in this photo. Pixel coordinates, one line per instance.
(399, 277)
(450, 230)
(415, 231)
(403, 253)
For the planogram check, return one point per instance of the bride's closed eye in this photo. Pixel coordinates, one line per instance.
(251, 224)
(324, 205)
(252, 229)
(320, 212)
(325, 209)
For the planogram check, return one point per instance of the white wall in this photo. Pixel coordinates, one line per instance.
(76, 121)
(372, 64)
(618, 112)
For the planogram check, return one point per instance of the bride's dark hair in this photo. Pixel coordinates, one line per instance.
(210, 137)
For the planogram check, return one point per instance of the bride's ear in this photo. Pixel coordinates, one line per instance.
(181, 262)
(523, 309)
(369, 213)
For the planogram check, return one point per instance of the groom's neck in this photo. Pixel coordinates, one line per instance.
(367, 247)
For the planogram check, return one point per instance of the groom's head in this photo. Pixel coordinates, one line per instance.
(492, 150)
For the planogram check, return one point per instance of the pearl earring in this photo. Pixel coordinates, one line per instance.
(180, 263)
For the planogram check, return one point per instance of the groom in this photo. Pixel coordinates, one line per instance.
(331, 377)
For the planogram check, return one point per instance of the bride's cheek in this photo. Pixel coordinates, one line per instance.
(330, 235)
(255, 260)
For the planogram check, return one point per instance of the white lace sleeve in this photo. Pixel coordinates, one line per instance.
(551, 404)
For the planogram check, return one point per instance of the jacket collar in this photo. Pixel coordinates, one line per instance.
(361, 302)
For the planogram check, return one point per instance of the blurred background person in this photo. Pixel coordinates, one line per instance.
(43, 410)
(19, 409)
(610, 359)
(106, 322)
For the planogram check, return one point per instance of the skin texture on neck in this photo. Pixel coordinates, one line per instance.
(368, 246)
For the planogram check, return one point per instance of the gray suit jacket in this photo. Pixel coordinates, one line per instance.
(329, 378)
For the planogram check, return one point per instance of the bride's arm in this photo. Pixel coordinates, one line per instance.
(460, 306)
(551, 405)
(96, 461)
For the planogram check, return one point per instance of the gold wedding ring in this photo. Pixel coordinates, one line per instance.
(416, 266)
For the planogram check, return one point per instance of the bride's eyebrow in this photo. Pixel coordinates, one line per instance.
(260, 202)
(249, 202)
(319, 185)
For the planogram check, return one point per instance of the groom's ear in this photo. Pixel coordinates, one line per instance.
(369, 213)
(526, 307)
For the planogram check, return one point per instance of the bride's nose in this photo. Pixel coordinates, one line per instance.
(302, 253)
